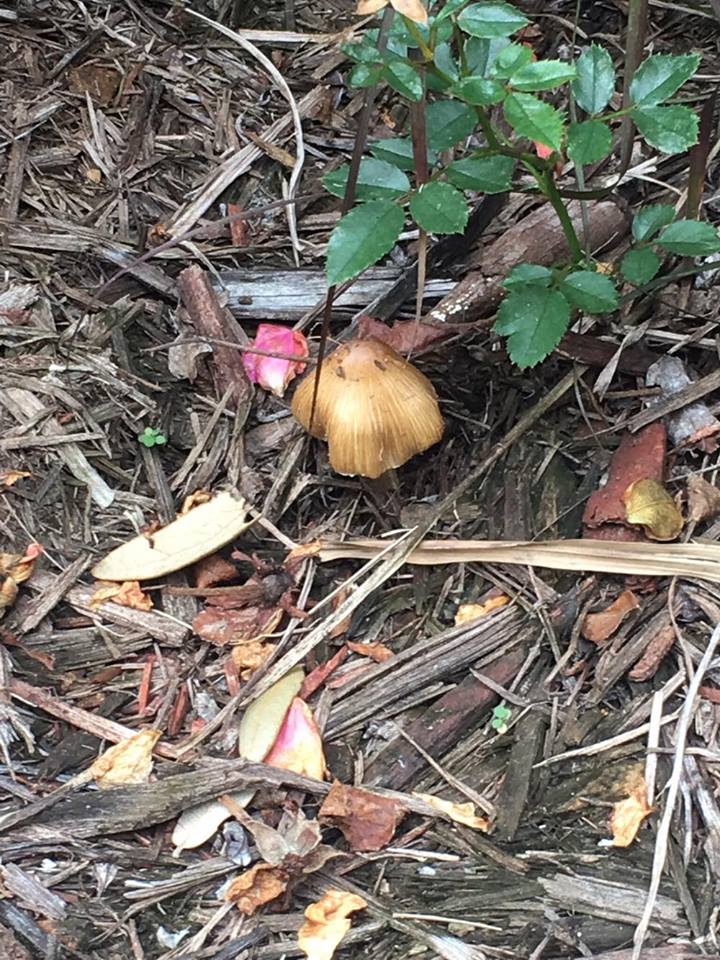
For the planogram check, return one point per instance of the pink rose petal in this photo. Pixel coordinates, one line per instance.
(274, 373)
(298, 746)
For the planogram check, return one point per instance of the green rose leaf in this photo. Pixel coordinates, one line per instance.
(690, 238)
(405, 79)
(510, 59)
(447, 9)
(445, 61)
(361, 238)
(533, 119)
(527, 273)
(363, 52)
(485, 174)
(660, 76)
(377, 179)
(542, 75)
(640, 266)
(668, 129)
(594, 84)
(399, 152)
(651, 219)
(365, 74)
(482, 52)
(588, 142)
(439, 208)
(491, 20)
(478, 91)
(534, 319)
(592, 292)
(448, 122)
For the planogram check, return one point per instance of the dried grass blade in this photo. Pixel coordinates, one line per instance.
(701, 560)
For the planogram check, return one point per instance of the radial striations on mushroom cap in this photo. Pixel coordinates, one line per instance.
(374, 408)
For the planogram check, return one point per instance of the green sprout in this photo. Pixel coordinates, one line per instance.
(152, 437)
(501, 714)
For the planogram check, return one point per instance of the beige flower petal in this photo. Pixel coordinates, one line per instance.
(366, 7)
(412, 9)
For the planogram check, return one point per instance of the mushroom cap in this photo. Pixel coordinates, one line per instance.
(374, 408)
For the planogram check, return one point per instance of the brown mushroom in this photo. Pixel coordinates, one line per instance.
(374, 408)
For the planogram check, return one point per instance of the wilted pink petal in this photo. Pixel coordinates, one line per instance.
(298, 746)
(272, 373)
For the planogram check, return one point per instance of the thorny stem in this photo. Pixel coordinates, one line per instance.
(349, 197)
(426, 52)
(418, 125)
(549, 189)
(579, 172)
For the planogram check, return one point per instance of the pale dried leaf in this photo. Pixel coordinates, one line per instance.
(366, 7)
(649, 505)
(194, 535)
(127, 594)
(700, 560)
(458, 812)
(257, 886)
(198, 824)
(472, 611)
(326, 923)
(703, 499)
(628, 814)
(412, 9)
(129, 761)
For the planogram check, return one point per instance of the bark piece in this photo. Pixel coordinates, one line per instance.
(441, 725)
(537, 238)
(640, 456)
(513, 794)
(212, 320)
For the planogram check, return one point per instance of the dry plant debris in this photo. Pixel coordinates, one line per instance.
(327, 922)
(313, 730)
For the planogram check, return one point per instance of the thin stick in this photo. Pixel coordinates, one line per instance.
(661, 840)
(295, 113)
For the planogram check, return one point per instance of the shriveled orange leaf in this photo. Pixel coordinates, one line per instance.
(629, 813)
(458, 812)
(20, 567)
(649, 505)
(406, 336)
(326, 923)
(367, 820)
(213, 570)
(247, 657)
(299, 745)
(599, 627)
(317, 677)
(703, 499)
(8, 478)
(14, 569)
(129, 761)
(127, 594)
(8, 593)
(258, 885)
(471, 611)
(221, 624)
(373, 651)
